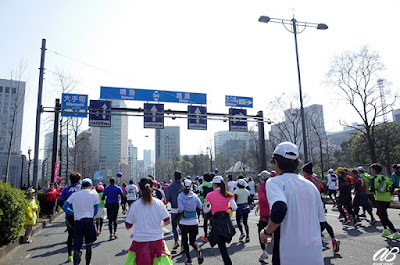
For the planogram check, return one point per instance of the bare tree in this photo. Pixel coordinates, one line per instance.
(355, 75)
(17, 91)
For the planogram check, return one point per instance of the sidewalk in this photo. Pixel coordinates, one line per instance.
(41, 224)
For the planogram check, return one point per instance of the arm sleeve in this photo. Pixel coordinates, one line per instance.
(233, 204)
(278, 212)
(168, 194)
(67, 209)
(96, 209)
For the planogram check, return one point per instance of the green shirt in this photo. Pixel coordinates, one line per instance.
(367, 180)
(382, 188)
(102, 202)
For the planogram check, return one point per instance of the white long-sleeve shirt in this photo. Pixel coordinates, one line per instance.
(333, 181)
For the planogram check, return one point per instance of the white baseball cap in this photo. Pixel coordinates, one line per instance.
(242, 182)
(330, 170)
(217, 179)
(287, 150)
(187, 183)
(264, 174)
(360, 168)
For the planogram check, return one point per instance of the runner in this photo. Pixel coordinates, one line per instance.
(243, 202)
(360, 199)
(173, 192)
(344, 198)
(75, 178)
(262, 209)
(148, 215)
(101, 214)
(297, 213)
(382, 186)
(231, 184)
(252, 189)
(132, 193)
(333, 184)
(188, 203)
(395, 177)
(205, 188)
(111, 194)
(222, 229)
(85, 205)
(123, 198)
(368, 187)
(308, 174)
(158, 193)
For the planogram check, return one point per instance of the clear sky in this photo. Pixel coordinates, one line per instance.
(213, 47)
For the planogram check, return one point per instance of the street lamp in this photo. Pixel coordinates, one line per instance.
(295, 25)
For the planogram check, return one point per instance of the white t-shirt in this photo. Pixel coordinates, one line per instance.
(231, 185)
(131, 192)
(83, 203)
(147, 220)
(252, 187)
(300, 240)
(333, 181)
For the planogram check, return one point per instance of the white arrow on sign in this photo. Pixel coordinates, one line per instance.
(245, 102)
(198, 113)
(154, 110)
(238, 117)
(104, 111)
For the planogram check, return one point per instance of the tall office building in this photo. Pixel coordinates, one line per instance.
(132, 161)
(168, 143)
(112, 145)
(12, 96)
(228, 142)
(148, 158)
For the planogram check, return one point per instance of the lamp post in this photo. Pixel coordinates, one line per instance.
(295, 25)
(29, 166)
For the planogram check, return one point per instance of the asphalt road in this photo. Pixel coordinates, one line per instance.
(358, 245)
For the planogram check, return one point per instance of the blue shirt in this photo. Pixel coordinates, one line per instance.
(66, 192)
(112, 192)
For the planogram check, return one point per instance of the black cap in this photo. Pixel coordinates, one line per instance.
(308, 168)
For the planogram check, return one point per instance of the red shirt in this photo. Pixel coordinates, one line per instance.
(316, 181)
(51, 195)
(359, 183)
(262, 201)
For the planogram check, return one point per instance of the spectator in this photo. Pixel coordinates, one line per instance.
(45, 186)
(297, 236)
(31, 216)
(51, 198)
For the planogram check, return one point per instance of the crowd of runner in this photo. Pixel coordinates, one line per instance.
(290, 207)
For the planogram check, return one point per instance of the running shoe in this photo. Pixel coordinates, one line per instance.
(112, 237)
(115, 235)
(70, 258)
(385, 232)
(176, 245)
(204, 238)
(346, 221)
(395, 236)
(335, 245)
(263, 256)
(28, 241)
(200, 257)
(247, 239)
(340, 216)
(242, 235)
(373, 221)
(356, 223)
(362, 215)
(188, 262)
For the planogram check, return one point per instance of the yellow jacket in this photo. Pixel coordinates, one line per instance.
(31, 216)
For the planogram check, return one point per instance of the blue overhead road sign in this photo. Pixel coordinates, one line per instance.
(152, 95)
(153, 116)
(241, 102)
(75, 103)
(98, 175)
(237, 120)
(197, 118)
(100, 113)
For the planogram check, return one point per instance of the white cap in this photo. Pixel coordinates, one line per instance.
(264, 174)
(330, 170)
(360, 168)
(187, 183)
(242, 182)
(287, 150)
(217, 179)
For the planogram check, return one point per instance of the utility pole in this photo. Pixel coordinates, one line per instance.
(38, 115)
(261, 139)
(55, 137)
(29, 166)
